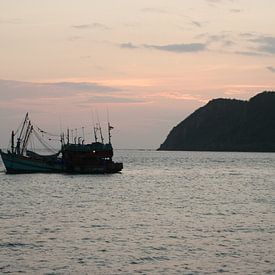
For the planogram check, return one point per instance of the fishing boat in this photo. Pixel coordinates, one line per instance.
(74, 156)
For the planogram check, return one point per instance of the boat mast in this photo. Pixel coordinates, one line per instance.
(62, 139)
(95, 130)
(100, 131)
(21, 132)
(12, 141)
(68, 136)
(75, 138)
(83, 135)
(99, 128)
(26, 139)
(94, 127)
(109, 127)
(109, 131)
(72, 135)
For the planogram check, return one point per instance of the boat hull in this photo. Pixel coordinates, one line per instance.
(16, 164)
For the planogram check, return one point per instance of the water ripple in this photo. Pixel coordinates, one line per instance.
(167, 213)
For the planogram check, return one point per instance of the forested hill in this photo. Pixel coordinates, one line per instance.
(227, 125)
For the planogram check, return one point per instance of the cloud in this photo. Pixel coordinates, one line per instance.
(94, 25)
(111, 99)
(59, 91)
(176, 48)
(83, 26)
(260, 43)
(11, 21)
(196, 23)
(178, 95)
(128, 45)
(80, 86)
(247, 43)
(74, 38)
(223, 39)
(271, 69)
(236, 10)
(248, 53)
(247, 34)
(63, 97)
(179, 48)
(266, 44)
(228, 43)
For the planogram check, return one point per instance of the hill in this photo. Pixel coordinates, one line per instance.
(227, 125)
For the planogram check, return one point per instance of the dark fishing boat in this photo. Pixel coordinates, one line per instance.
(93, 158)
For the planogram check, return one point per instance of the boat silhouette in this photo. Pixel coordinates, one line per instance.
(73, 157)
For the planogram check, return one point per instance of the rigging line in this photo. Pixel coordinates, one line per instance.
(47, 146)
(23, 127)
(31, 143)
(26, 136)
(79, 129)
(45, 132)
(19, 127)
(52, 139)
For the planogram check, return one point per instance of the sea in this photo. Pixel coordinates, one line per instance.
(166, 213)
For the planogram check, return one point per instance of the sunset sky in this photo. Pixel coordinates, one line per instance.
(150, 62)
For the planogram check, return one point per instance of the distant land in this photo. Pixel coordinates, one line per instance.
(227, 125)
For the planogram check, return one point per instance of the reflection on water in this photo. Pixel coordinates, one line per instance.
(168, 212)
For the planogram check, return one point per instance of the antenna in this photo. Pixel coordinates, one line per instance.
(72, 135)
(83, 135)
(99, 128)
(94, 127)
(68, 135)
(109, 127)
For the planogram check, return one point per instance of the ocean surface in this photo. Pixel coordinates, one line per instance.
(166, 213)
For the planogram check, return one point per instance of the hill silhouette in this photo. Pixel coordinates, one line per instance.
(227, 125)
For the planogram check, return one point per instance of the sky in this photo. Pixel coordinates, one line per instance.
(150, 63)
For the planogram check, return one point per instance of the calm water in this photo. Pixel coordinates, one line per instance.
(167, 213)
